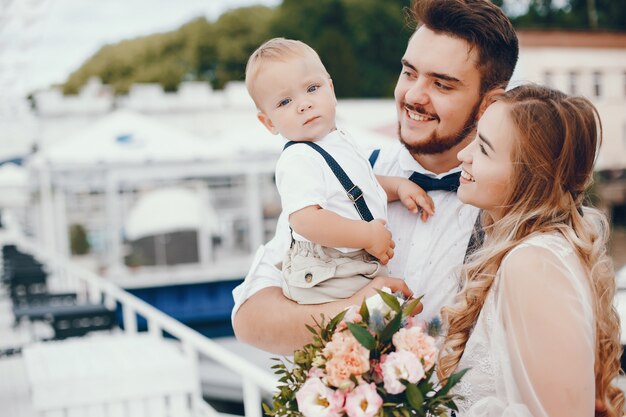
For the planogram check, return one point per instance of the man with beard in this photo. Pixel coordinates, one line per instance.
(459, 59)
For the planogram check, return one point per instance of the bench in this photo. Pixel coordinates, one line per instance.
(69, 320)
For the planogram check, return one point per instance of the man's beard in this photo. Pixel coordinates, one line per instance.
(436, 144)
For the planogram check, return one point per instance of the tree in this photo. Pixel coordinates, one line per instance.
(359, 41)
(575, 14)
(79, 244)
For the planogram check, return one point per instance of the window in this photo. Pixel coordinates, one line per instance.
(547, 78)
(597, 84)
(573, 82)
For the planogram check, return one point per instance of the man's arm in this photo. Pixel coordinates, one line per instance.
(270, 321)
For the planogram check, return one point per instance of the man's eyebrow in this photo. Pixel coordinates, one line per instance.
(445, 77)
(408, 64)
(438, 75)
(484, 139)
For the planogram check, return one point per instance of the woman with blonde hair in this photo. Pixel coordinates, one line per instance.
(534, 320)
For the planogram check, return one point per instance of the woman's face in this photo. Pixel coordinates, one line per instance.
(486, 162)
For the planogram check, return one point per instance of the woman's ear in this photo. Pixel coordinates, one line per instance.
(488, 100)
(267, 122)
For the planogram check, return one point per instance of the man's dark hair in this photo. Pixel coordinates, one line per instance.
(483, 25)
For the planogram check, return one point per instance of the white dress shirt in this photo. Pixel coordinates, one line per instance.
(428, 255)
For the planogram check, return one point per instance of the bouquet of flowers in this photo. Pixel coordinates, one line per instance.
(372, 360)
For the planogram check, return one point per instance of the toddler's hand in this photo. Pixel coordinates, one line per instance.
(380, 243)
(414, 197)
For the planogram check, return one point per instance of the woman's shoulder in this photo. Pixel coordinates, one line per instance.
(542, 244)
(539, 260)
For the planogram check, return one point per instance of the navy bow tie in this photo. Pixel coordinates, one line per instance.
(448, 183)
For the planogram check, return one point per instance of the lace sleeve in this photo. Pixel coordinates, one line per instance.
(544, 336)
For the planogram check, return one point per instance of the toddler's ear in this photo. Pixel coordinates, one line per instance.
(332, 88)
(267, 122)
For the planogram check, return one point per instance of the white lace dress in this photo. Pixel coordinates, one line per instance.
(532, 350)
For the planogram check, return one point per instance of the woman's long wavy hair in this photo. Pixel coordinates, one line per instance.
(552, 167)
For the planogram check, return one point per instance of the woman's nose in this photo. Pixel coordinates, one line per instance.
(465, 154)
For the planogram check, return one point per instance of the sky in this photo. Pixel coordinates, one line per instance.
(67, 32)
(45, 48)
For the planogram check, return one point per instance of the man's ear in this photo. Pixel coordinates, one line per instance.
(267, 122)
(488, 99)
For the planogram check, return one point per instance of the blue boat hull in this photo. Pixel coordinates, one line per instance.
(204, 307)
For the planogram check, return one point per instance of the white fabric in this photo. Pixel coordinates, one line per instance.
(428, 255)
(532, 350)
(169, 210)
(303, 179)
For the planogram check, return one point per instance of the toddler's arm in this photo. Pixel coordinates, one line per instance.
(409, 193)
(327, 228)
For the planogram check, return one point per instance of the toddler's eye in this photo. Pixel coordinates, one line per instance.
(312, 88)
(284, 102)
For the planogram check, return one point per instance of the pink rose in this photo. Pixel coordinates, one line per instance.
(363, 401)
(417, 342)
(317, 400)
(345, 356)
(398, 365)
(340, 367)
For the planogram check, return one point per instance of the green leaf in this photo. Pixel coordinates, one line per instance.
(452, 381)
(362, 335)
(333, 323)
(390, 299)
(410, 306)
(415, 398)
(391, 328)
(364, 312)
(311, 329)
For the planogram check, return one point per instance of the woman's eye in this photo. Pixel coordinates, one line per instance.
(482, 149)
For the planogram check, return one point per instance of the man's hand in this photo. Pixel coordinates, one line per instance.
(415, 199)
(380, 245)
(394, 284)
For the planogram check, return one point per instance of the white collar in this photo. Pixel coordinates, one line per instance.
(408, 163)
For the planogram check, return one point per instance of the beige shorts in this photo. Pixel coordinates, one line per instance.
(315, 274)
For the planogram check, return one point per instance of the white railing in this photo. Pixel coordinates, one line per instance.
(255, 380)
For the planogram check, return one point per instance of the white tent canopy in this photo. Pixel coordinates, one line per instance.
(124, 137)
(127, 138)
(14, 186)
(12, 175)
(169, 210)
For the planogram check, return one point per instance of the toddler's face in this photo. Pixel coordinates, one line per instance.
(296, 99)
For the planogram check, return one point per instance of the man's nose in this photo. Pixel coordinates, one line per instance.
(417, 93)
